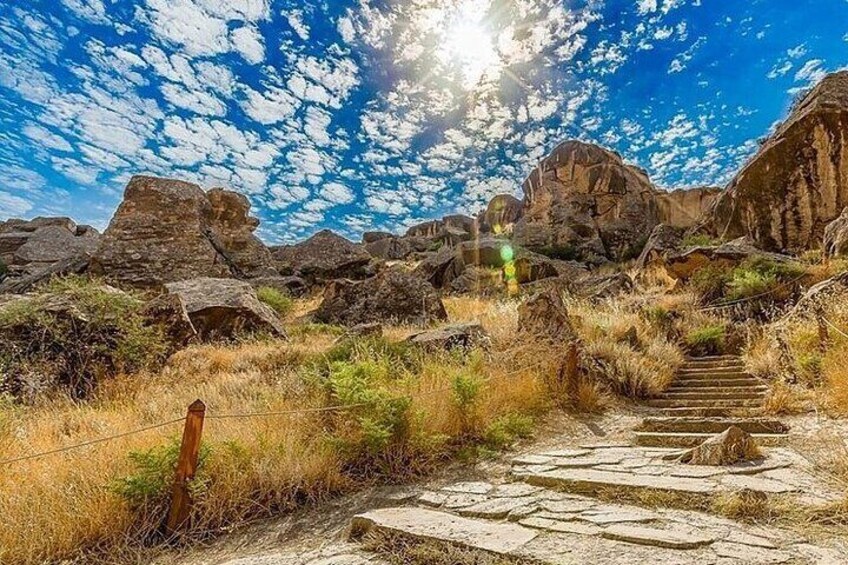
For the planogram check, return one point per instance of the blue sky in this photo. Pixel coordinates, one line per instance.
(376, 114)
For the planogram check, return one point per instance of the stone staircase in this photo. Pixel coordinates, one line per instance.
(708, 395)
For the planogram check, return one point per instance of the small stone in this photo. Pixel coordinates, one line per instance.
(658, 538)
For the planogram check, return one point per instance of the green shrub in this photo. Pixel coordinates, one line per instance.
(748, 284)
(709, 282)
(74, 334)
(466, 393)
(507, 429)
(708, 340)
(810, 368)
(380, 415)
(276, 300)
(699, 240)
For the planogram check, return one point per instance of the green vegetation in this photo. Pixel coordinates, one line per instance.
(708, 340)
(699, 240)
(76, 333)
(756, 277)
(278, 301)
(507, 429)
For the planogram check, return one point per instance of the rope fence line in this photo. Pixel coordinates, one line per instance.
(246, 415)
(718, 306)
(834, 327)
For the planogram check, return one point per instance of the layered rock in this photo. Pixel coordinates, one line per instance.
(500, 216)
(584, 201)
(392, 295)
(664, 241)
(324, 257)
(836, 236)
(168, 230)
(797, 183)
(686, 208)
(30, 247)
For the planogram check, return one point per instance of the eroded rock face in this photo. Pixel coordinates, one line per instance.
(441, 268)
(686, 208)
(392, 295)
(664, 241)
(584, 201)
(323, 257)
(222, 308)
(394, 248)
(797, 183)
(683, 265)
(836, 236)
(167, 230)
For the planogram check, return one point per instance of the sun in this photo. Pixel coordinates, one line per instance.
(469, 45)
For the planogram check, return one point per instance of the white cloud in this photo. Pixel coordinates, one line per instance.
(812, 71)
(336, 193)
(91, 10)
(646, 6)
(269, 107)
(780, 69)
(11, 205)
(197, 101)
(46, 137)
(248, 42)
(295, 19)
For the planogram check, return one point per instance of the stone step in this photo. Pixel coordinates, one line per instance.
(717, 383)
(710, 412)
(703, 403)
(730, 371)
(691, 439)
(592, 481)
(708, 358)
(744, 394)
(712, 365)
(419, 524)
(712, 425)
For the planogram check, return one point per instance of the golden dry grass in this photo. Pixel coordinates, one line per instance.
(59, 506)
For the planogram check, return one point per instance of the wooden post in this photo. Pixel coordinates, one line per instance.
(186, 467)
(824, 331)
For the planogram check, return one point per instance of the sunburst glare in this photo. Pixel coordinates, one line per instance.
(469, 44)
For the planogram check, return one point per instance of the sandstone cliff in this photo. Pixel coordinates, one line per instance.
(798, 181)
(685, 208)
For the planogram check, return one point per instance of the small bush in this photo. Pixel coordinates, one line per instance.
(279, 302)
(708, 340)
(699, 240)
(507, 429)
(709, 282)
(74, 334)
(466, 393)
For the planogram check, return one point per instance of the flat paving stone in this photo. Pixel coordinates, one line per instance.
(496, 508)
(567, 505)
(470, 488)
(616, 517)
(513, 490)
(566, 453)
(756, 484)
(749, 554)
(560, 526)
(581, 480)
(696, 471)
(433, 498)
(750, 539)
(456, 501)
(531, 460)
(501, 538)
(643, 535)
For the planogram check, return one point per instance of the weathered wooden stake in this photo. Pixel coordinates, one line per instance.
(186, 467)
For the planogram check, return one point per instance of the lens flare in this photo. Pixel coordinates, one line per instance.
(507, 253)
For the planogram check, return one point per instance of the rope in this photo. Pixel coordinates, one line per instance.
(246, 415)
(833, 326)
(756, 296)
(89, 442)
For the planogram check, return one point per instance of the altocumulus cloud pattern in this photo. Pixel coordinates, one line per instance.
(361, 114)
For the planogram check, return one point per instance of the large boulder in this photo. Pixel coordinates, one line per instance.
(221, 308)
(449, 231)
(500, 216)
(496, 253)
(323, 257)
(797, 183)
(75, 265)
(665, 240)
(29, 248)
(393, 248)
(167, 230)
(441, 268)
(544, 317)
(727, 448)
(583, 201)
(683, 265)
(686, 208)
(836, 236)
(392, 295)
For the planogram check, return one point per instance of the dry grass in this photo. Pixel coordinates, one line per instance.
(783, 400)
(403, 551)
(66, 506)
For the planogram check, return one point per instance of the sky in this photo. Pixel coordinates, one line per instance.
(359, 115)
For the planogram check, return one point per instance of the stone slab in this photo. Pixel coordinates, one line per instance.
(581, 480)
(560, 526)
(642, 535)
(501, 538)
(496, 508)
(750, 554)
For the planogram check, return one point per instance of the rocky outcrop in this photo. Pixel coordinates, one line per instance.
(500, 216)
(292, 286)
(219, 308)
(167, 230)
(683, 265)
(727, 448)
(663, 242)
(324, 257)
(584, 201)
(836, 236)
(29, 248)
(391, 296)
(686, 208)
(441, 268)
(797, 183)
(76, 265)
(394, 248)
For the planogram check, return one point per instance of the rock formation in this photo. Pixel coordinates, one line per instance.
(664, 241)
(29, 248)
(544, 316)
(167, 230)
(392, 295)
(222, 308)
(685, 208)
(323, 257)
(725, 256)
(584, 201)
(500, 216)
(797, 183)
(729, 447)
(463, 336)
(836, 236)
